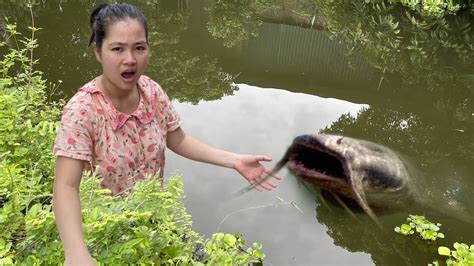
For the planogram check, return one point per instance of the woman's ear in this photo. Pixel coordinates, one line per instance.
(98, 54)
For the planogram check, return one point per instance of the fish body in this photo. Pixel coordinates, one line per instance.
(368, 173)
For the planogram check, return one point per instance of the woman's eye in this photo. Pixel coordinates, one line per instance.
(117, 49)
(141, 48)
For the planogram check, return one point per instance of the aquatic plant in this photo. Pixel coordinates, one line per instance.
(462, 254)
(417, 223)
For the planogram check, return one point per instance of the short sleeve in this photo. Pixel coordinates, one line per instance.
(74, 134)
(172, 118)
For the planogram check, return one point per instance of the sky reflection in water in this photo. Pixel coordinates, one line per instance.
(261, 121)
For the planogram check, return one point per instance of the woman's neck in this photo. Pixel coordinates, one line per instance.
(124, 101)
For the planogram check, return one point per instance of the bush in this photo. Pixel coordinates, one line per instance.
(27, 126)
(149, 225)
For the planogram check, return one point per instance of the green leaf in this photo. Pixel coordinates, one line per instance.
(433, 227)
(428, 235)
(257, 245)
(130, 244)
(450, 262)
(230, 240)
(444, 251)
(33, 211)
(4, 248)
(259, 254)
(219, 236)
(6, 261)
(405, 228)
(455, 255)
(470, 257)
(462, 252)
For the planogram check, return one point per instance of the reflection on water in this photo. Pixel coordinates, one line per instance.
(412, 79)
(426, 51)
(258, 120)
(186, 77)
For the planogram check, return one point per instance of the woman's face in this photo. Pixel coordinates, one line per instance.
(123, 55)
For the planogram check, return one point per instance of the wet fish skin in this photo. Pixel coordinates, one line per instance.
(363, 171)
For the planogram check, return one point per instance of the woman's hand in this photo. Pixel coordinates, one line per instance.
(247, 165)
(250, 168)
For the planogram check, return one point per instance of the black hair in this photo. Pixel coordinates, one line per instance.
(105, 14)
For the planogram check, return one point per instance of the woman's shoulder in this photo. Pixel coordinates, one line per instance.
(83, 97)
(145, 81)
(151, 88)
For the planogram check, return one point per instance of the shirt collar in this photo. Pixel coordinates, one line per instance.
(145, 111)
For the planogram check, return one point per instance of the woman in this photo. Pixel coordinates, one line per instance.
(120, 123)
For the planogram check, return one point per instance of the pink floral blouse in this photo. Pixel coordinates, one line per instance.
(124, 147)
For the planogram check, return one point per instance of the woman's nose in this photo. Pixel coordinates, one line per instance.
(129, 58)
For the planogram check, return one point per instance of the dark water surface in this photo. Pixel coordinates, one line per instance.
(258, 95)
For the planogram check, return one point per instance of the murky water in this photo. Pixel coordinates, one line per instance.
(258, 95)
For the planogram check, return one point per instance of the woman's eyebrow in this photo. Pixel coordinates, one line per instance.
(124, 44)
(116, 44)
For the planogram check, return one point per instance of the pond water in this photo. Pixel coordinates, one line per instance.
(293, 79)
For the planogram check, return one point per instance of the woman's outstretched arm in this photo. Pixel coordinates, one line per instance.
(249, 166)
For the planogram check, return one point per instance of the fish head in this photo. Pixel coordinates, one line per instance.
(344, 165)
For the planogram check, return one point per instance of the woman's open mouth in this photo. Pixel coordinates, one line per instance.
(128, 76)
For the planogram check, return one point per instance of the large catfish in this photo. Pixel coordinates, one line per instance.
(362, 172)
(365, 172)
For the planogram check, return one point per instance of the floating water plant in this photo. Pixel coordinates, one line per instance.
(417, 223)
(462, 254)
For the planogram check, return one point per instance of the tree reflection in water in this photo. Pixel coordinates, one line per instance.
(186, 77)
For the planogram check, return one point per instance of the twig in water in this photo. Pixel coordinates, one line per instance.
(292, 203)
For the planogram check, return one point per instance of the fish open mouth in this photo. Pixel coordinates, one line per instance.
(318, 163)
(323, 167)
